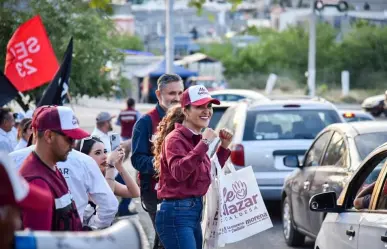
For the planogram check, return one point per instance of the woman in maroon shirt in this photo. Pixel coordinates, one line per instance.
(183, 166)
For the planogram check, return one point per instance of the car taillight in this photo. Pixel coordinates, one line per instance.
(349, 115)
(238, 155)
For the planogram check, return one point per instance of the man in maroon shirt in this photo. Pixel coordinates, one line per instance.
(16, 194)
(55, 129)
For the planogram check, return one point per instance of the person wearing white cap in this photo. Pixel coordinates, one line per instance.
(15, 195)
(84, 180)
(183, 165)
(56, 129)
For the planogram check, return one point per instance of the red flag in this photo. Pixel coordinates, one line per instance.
(30, 61)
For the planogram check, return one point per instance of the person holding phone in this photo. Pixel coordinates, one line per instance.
(95, 148)
(183, 166)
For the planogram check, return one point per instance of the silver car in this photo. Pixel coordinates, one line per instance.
(267, 131)
(358, 219)
(332, 158)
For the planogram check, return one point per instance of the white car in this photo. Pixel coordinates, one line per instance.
(358, 219)
(267, 131)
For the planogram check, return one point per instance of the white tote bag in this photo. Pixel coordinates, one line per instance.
(242, 212)
(210, 209)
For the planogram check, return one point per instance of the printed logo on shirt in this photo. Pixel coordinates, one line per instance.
(65, 172)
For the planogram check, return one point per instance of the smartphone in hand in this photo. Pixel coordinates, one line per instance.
(115, 140)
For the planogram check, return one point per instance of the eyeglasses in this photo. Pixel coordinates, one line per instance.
(71, 140)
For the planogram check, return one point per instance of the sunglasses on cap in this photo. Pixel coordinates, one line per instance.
(86, 139)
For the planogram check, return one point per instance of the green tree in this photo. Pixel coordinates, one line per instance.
(362, 53)
(128, 42)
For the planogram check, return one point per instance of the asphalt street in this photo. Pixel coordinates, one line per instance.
(86, 110)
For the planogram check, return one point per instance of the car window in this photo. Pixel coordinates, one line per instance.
(216, 116)
(232, 97)
(382, 198)
(220, 97)
(363, 187)
(287, 124)
(228, 97)
(357, 119)
(314, 154)
(366, 143)
(336, 153)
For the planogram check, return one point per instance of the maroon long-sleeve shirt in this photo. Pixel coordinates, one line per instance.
(185, 166)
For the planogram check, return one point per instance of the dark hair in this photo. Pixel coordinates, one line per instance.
(4, 111)
(24, 125)
(130, 102)
(87, 144)
(166, 79)
(30, 140)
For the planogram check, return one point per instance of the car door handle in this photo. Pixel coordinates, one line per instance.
(383, 238)
(306, 184)
(350, 233)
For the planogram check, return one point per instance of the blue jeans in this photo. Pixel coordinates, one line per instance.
(178, 223)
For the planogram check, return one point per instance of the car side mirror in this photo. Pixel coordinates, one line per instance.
(324, 202)
(291, 161)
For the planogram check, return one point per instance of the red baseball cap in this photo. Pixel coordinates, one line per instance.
(15, 190)
(58, 118)
(197, 95)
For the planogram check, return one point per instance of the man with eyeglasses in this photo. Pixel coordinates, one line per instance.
(84, 180)
(55, 129)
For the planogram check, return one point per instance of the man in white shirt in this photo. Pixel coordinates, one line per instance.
(102, 129)
(7, 122)
(84, 179)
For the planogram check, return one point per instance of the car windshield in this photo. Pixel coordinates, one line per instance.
(287, 124)
(218, 113)
(366, 143)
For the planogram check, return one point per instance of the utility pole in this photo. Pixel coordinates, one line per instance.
(312, 51)
(169, 37)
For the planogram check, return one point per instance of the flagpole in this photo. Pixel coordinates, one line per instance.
(70, 102)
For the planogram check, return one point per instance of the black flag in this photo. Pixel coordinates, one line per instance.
(56, 92)
(7, 90)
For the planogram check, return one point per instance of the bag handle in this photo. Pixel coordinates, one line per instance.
(219, 171)
(229, 165)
